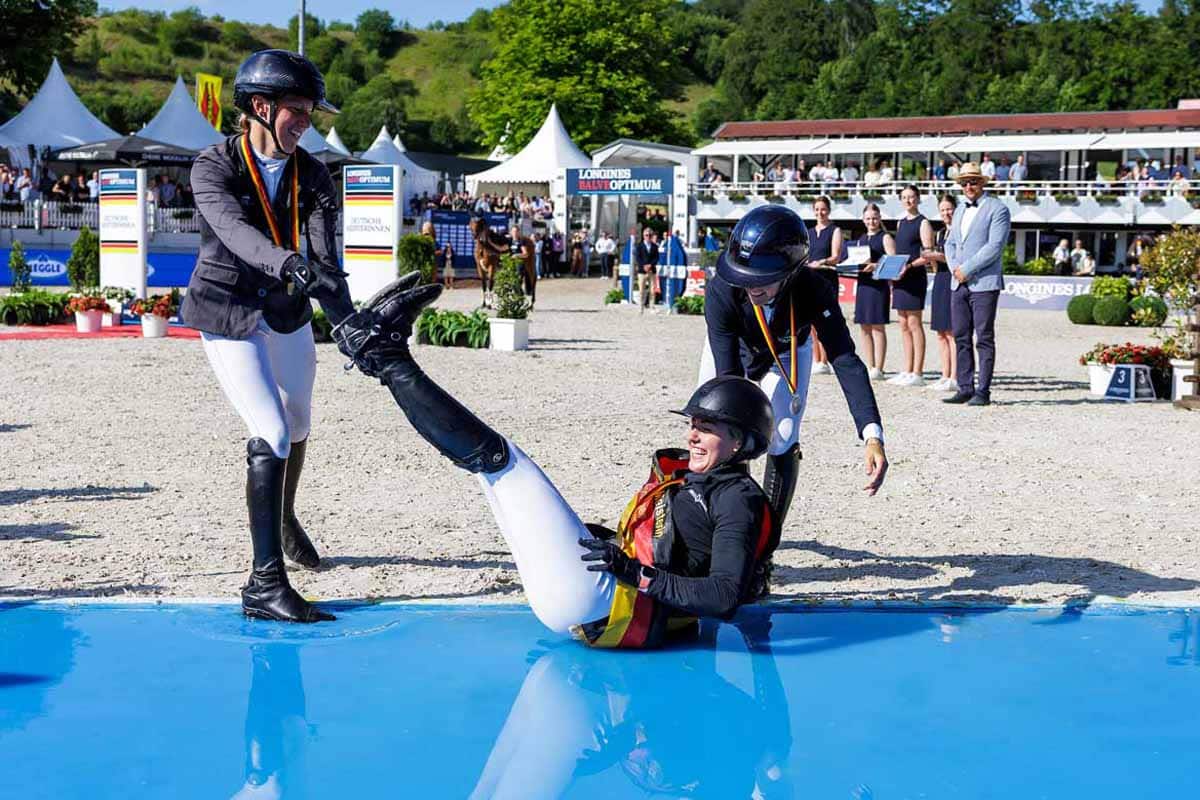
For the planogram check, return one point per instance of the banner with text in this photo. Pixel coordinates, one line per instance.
(1020, 291)
(622, 180)
(123, 229)
(371, 200)
(453, 228)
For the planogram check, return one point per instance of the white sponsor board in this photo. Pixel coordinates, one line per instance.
(123, 229)
(371, 220)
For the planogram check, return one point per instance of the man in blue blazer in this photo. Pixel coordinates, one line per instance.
(974, 245)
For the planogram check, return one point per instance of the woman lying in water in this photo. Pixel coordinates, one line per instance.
(695, 541)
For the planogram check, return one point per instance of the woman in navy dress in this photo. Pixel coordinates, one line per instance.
(872, 302)
(914, 235)
(824, 252)
(939, 302)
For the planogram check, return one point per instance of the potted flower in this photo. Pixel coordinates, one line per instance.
(510, 326)
(155, 311)
(89, 306)
(1102, 359)
(117, 297)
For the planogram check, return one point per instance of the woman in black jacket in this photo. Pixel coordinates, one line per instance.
(250, 298)
(693, 542)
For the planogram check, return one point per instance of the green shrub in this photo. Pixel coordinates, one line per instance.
(33, 307)
(614, 296)
(1008, 260)
(1111, 310)
(321, 327)
(19, 268)
(689, 305)
(453, 328)
(708, 258)
(83, 267)
(1039, 266)
(1148, 311)
(416, 252)
(510, 298)
(1080, 309)
(1110, 287)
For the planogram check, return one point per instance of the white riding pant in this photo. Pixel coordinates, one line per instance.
(787, 407)
(268, 378)
(543, 534)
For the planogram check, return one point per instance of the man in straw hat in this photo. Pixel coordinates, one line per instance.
(974, 245)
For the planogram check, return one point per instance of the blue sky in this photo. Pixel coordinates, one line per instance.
(277, 12)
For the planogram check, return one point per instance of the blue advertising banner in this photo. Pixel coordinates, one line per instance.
(621, 180)
(49, 267)
(450, 227)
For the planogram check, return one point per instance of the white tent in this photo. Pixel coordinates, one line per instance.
(399, 144)
(179, 122)
(417, 179)
(550, 150)
(54, 118)
(313, 142)
(335, 141)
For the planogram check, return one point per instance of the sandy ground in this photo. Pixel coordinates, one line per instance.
(123, 467)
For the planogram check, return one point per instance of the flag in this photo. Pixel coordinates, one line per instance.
(208, 97)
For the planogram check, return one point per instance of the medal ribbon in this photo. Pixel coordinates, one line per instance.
(790, 375)
(260, 189)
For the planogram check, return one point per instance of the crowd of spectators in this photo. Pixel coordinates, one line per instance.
(18, 185)
(517, 206)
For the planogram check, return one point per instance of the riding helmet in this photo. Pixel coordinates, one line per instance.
(737, 402)
(766, 246)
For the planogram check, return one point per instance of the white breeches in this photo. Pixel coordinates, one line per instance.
(542, 533)
(269, 380)
(788, 408)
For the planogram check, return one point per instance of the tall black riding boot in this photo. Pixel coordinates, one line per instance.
(443, 421)
(779, 483)
(296, 544)
(268, 595)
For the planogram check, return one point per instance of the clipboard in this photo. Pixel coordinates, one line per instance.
(856, 257)
(889, 268)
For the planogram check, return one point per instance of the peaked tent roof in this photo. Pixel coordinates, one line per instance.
(417, 179)
(399, 144)
(179, 122)
(313, 142)
(55, 117)
(550, 150)
(335, 141)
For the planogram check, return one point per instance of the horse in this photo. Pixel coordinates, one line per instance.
(488, 248)
(522, 248)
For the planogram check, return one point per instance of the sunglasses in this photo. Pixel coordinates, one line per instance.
(971, 182)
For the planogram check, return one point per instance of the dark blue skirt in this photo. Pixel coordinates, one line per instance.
(939, 303)
(908, 293)
(873, 302)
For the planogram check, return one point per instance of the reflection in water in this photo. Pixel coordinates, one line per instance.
(1188, 637)
(277, 730)
(689, 733)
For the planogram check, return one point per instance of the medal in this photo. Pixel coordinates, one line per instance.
(795, 404)
(789, 375)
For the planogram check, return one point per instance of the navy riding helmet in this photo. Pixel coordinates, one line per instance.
(738, 402)
(766, 246)
(274, 73)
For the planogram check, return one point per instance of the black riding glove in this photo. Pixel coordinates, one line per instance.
(611, 558)
(313, 280)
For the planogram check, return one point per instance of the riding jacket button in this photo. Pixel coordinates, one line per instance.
(262, 292)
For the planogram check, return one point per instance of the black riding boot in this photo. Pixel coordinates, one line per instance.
(779, 484)
(268, 595)
(443, 421)
(296, 544)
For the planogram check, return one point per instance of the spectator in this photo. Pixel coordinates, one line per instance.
(939, 299)
(166, 191)
(93, 186)
(558, 254)
(850, 173)
(6, 183)
(710, 174)
(831, 173)
(61, 190)
(872, 178)
(1179, 184)
(1079, 259)
(939, 170)
(79, 190)
(645, 261)
(1003, 171)
(607, 247)
(1182, 168)
(45, 184)
(1019, 171)
(987, 167)
(973, 252)
(886, 173)
(914, 237)
(1062, 257)
(952, 170)
(24, 185)
(825, 251)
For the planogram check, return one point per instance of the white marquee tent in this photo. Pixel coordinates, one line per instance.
(417, 179)
(54, 118)
(532, 169)
(335, 141)
(179, 122)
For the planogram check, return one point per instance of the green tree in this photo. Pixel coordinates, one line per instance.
(592, 58)
(31, 35)
(183, 33)
(312, 29)
(18, 267)
(383, 101)
(238, 38)
(375, 29)
(83, 266)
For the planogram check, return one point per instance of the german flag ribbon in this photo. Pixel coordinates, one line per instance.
(260, 189)
(788, 375)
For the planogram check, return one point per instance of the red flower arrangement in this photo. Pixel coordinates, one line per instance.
(1128, 353)
(160, 305)
(87, 302)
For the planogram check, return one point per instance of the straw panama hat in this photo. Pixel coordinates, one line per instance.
(971, 170)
